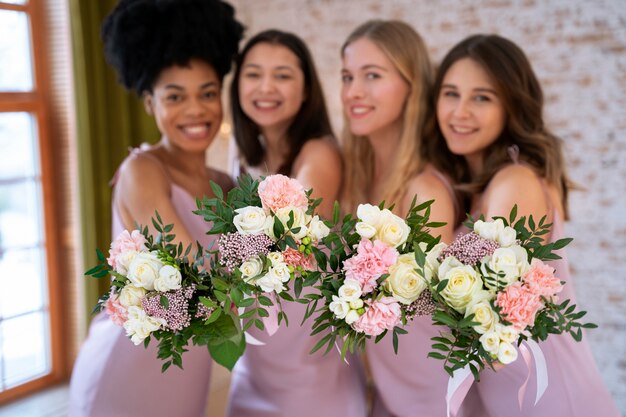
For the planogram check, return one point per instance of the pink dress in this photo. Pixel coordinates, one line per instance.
(281, 378)
(114, 378)
(409, 383)
(575, 386)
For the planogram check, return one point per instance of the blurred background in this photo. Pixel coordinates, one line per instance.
(65, 125)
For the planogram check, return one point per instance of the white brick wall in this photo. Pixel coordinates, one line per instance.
(578, 49)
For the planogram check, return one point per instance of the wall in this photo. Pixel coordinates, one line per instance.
(578, 50)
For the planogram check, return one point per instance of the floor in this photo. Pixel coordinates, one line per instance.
(53, 402)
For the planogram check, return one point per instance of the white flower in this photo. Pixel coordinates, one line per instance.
(356, 304)
(463, 284)
(506, 353)
(131, 295)
(368, 214)
(300, 220)
(144, 270)
(432, 258)
(139, 325)
(490, 342)
(507, 237)
(251, 268)
(352, 316)
(276, 258)
(404, 283)
(268, 284)
(507, 333)
(393, 230)
(483, 314)
(280, 272)
(317, 229)
(339, 307)
(123, 260)
(365, 230)
(511, 261)
(169, 279)
(250, 220)
(489, 230)
(350, 290)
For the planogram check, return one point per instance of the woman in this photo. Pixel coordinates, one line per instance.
(175, 55)
(491, 139)
(281, 126)
(386, 76)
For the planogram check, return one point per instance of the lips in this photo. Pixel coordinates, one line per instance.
(196, 130)
(266, 104)
(463, 130)
(360, 110)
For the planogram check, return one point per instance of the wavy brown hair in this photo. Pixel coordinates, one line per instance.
(406, 50)
(522, 98)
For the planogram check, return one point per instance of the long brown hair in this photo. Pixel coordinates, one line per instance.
(406, 50)
(311, 121)
(522, 98)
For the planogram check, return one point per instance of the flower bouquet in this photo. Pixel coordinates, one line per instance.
(159, 290)
(373, 285)
(492, 291)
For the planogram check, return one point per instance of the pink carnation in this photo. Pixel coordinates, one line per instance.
(278, 191)
(116, 311)
(381, 315)
(540, 279)
(125, 242)
(296, 258)
(519, 305)
(371, 261)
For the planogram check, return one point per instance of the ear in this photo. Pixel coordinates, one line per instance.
(148, 103)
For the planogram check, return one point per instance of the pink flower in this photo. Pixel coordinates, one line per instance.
(371, 261)
(296, 258)
(540, 279)
(125, 242)
(519, 305)
(116, 311)
(381, 315)
(278, 191)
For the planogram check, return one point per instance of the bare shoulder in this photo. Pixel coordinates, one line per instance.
(142, 172)
(515, 184)
(319, 150)
(222, 179)
(428, 186)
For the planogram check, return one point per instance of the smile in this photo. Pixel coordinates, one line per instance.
(266, 104)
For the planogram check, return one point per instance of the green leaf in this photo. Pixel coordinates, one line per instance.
(226, 342)
(164, 302)
(217, 190)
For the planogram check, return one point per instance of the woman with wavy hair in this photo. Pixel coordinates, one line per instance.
(386, 80)
(490, 137)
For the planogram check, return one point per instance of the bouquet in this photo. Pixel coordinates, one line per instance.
(159, 290)
(492, 291)
(265, 252)
(374, 285)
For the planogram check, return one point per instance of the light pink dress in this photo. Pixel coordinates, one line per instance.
(281, 378)
(114, 378)
(409, 383)
(575, 386)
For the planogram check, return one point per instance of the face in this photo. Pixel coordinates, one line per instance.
(271, 86)
(373, 92)
(186, 104)
(470, 113)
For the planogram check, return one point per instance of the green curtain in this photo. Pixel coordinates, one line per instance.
(109, 120)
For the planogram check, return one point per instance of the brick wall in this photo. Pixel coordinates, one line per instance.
(578, 50)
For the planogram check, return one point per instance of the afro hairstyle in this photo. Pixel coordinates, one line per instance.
(143, 37)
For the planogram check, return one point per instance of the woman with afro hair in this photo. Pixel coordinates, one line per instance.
(174, 54)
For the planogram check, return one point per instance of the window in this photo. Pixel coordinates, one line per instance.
(29, 320)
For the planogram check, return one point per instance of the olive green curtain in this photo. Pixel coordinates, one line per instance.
(109, 120)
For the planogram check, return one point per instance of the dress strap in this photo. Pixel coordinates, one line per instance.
(446, 182)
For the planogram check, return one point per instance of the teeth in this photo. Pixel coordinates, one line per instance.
(196, 130)
(459, 129)
(360, 110)
(266, 104)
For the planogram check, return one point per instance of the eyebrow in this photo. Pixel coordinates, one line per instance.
(178, 87)
(367, 67)
(479, 89)
(280, 67)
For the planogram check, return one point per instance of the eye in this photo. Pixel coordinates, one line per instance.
(210, 94)
(372, 75)
(173, 98)
(449, 93)
(251, 75)
(346, 78)
(482, 98)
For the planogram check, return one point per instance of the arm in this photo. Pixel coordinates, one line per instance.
(319, 166)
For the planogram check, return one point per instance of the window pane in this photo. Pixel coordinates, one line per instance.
(24, 348)
(22, 282)
(19, 157)
(15, 52)
(20, 215)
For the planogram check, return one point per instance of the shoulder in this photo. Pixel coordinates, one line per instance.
(514, 179)
(430, 186)
(142, 168)
(320, 149)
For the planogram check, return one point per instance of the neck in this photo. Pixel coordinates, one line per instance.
(475, 164)
(276, 147)
(193, 163)
(385, 146)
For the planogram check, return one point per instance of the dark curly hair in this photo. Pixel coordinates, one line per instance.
(143, 37)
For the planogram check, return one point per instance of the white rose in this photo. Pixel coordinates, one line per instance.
(448, 263)
(506, 353)
(404, 283)
(268, 284)
(276, 258)
(489, 230)
(350, 290)
(369, 214)
(507, 333)
(280, 272)
(318, 229)
(251, 268)
(365, 230)
(507, 237)
(139, 325)
(511, 261)
(169, 279)
(339, 307)
(131, 295)
(300, 219)
(352, 316)
(250, 220)
(356, 304)
(490, 342)
(463, 283)
(432, 257)
(123, 260)
(483, 314)
(392, 230)
(144, 270)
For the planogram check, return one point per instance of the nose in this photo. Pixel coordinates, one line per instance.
(461, 109)
(196, 107)
(353, 89)
(266, 84)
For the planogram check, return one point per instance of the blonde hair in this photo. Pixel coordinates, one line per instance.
(406, 50)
